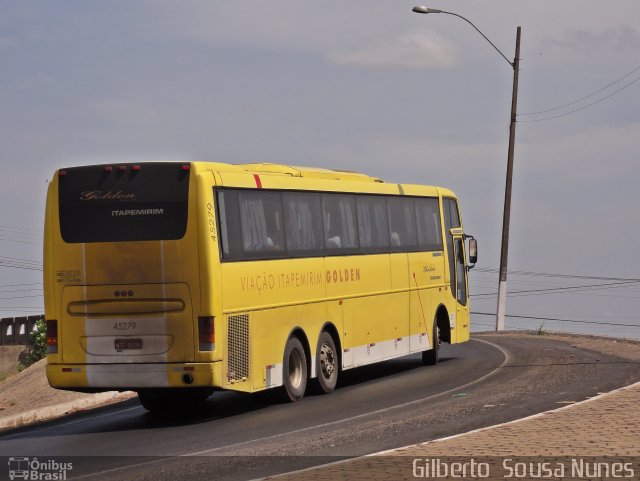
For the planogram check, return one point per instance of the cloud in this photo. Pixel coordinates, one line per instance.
(8, 42)
(415, 49)
(618, 39)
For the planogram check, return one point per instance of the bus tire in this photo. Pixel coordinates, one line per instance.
(430, 356)
(294, 370)
(327, 363)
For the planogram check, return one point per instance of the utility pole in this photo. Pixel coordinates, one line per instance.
(504, 251)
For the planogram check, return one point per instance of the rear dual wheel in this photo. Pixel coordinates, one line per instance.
(294, 369)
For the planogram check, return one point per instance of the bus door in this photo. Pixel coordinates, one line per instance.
(461, 291)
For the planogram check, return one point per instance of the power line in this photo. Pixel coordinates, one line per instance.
(548, 274)
(585, 97)
(26, 308)
(16, 263)
(556, 289)
(518, 316)
(19, 297)
(39, 289)
(23, 284)
(584, 107)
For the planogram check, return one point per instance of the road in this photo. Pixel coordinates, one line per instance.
(489, 380)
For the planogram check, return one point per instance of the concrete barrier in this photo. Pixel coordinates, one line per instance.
(7, 332)
(16, 331)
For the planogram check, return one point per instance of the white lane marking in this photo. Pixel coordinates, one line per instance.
(507, 358)
(487, 428)
(515, 421)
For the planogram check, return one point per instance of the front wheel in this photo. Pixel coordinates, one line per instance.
(294, 370)
(430, 357)
(327, 363)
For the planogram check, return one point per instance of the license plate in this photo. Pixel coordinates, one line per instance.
(128, 344)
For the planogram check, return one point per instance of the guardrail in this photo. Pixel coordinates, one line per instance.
(14, 331)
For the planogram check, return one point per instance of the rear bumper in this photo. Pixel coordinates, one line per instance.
(120, 377)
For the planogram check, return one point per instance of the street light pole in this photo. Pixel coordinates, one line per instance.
(506, 217)
(504, 251)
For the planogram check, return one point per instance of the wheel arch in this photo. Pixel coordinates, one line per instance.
(442, 320)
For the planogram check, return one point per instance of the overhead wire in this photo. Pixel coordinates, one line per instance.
(542, 318)
(585, 97)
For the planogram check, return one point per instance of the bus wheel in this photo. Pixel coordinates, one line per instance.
(294, 370)
(430, 357)
(327, 363)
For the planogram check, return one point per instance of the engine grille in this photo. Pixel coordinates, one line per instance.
(238, 348)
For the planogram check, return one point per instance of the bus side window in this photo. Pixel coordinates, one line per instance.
(340, 229)
(261, 221)
(303, 221)
(428, 222)
(373, 222)
(402, 223)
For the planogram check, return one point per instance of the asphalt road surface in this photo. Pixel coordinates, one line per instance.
(490, 380)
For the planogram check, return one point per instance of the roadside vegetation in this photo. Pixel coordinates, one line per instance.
(36, 348)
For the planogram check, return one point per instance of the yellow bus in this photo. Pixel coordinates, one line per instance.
(177, 279)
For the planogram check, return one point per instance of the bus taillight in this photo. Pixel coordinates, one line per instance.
(206, 334)
(52, 336)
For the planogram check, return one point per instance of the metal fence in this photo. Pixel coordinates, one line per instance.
(15, 331)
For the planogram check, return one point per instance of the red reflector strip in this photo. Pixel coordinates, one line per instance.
(135, 168)
(62, 173)
(258, 181)
(185, 167)
(108, 168)
(122, 168)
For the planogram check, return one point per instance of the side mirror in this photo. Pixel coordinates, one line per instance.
(473, 252)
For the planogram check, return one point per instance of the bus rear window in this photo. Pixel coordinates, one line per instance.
(124, 202)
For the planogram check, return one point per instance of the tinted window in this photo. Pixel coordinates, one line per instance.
(261, 221)
(449, 223)
(461, 272)
(303, 221)
(339, 213)
(98, 204)
(402, 222)
(451, 210)
(428, 223)
(373, 224)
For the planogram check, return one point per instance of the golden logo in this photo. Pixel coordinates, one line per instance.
(108, 195)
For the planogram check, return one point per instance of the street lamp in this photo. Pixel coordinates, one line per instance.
(504, 251)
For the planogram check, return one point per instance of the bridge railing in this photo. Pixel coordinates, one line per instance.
(14, 331)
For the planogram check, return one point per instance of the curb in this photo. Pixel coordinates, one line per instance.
(515, 421)
(62, 409)
(391, 452)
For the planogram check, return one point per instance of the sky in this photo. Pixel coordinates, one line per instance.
(366, 86)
